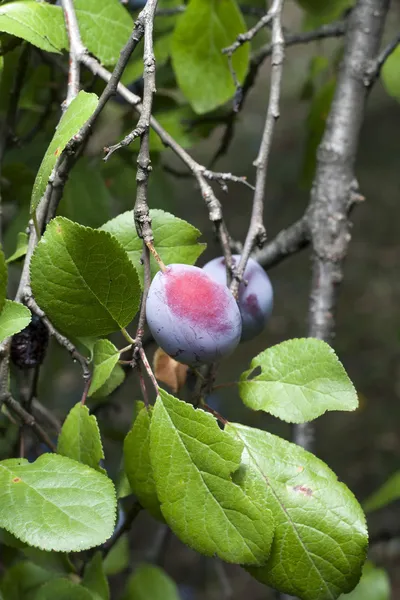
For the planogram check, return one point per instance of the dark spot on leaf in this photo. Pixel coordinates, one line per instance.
(57, 152)
(302, 489)
(16, 480)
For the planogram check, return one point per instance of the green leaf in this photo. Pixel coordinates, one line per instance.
(152, 582)
(80, 438)
(300, 380)
(83, 279)
(138, 466)
(374, 585)
(202, 71)
(22, 580)
(105, 26)
(20, 250)
(123, 486)
(76, 115)
(118, 558)
(321, 539)
(63, 589)
(88, 345)
(94, 578)
(105, 357)
(113, 382)
(13, 318)
(86, 198)
(174, 239)
(388, 493)
(62, 505)
(3, 280)
(391, 74)
(38, 23)
(193, 461)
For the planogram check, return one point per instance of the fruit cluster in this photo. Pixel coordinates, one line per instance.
(194, 317)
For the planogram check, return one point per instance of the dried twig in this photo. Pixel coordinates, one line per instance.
(256, 234)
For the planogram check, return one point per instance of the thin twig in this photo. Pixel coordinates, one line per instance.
(148, 368)
(291, 39)
(256, 234)
(75, 48)
(141, 209)
(61, 339)
(146, 285)
(143, 386)
(331, 30)
(374, 71)
(146, 19)
(27, 419)
(246, 37)
(197, 170)
(46, 414)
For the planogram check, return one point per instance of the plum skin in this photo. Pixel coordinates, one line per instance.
(255, 300)
(191, 317)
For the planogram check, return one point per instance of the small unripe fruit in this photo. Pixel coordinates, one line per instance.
(191, 317)
(255, 299)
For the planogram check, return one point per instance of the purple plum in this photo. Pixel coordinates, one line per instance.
(255, 299)
(191, 317)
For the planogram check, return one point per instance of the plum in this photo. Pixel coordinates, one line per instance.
(191, 317)
(255, 299)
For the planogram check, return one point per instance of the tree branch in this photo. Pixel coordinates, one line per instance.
(75, 49)
(141, 210)
(289, 241)
(27, 419)
(200, 173)
(246, 37)
(257, 60)
(333, 184)
(256, 234)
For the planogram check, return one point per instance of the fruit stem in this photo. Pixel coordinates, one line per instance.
(156, 256)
